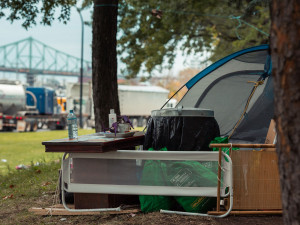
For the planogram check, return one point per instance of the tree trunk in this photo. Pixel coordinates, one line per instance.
(285, 50)
(104, 61)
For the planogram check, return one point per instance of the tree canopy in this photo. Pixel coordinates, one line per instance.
(29, 10)
(151, 32)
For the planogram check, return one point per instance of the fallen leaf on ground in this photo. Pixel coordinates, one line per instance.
(11, 186)
(7, 197)
(38, 171)
(46, 183)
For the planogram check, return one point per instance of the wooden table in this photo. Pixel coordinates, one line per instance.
(96, 143)
(93, 143)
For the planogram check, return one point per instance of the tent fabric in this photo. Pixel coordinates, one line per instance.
(221, 62)
(225, 87)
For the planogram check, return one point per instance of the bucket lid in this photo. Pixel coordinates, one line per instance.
(180, 111)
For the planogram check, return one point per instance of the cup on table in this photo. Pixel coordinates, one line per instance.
(123, 127)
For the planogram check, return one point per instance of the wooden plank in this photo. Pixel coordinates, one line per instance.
(60, 211)
(71, 206)
(242, 145)
(91, 146)
(95, 139)
(263, 212)
(73, 148)
(61, 206)
(271, 135)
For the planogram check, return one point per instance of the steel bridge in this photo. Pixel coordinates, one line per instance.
(32, 57)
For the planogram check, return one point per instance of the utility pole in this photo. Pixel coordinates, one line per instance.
(81, 68)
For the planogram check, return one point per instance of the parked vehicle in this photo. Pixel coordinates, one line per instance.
(62, 104)
(28, 108)
(31, 108)
(73, 102)
(136, 102)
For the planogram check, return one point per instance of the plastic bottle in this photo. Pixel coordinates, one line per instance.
(112, 117)
(72, 125)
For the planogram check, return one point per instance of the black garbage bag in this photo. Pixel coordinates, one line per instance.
(181, 133)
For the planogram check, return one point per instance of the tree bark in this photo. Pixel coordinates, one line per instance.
(104, 61)
(285, 50)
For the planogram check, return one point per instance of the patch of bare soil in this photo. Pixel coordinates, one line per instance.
(17, 213)
(157, 218)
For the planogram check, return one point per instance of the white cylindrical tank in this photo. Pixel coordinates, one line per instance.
(12, 98)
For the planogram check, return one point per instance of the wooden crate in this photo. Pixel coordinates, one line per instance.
(256, 180)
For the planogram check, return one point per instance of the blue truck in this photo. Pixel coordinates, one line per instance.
(44, 101)
(29, 108)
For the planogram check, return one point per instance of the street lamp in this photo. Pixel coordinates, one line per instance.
(81, 68)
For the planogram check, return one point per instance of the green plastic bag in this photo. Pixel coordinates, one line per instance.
(197, 204)
(218, 140)
(155, 170)
(194, 174)
(180, 173)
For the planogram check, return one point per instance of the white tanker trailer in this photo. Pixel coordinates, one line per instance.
(12, 98)
(136, 102)
(27, 109)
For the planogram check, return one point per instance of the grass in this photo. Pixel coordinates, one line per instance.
(22, 189)
(35, 187)
(29, 183)
(27, 149)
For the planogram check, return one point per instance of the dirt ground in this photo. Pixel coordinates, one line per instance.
(18, 214)
(139, 218)
(157, 218)
(35, 187)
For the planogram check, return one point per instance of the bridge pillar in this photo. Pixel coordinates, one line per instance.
(30, 78)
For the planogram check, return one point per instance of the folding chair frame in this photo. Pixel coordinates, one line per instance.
(152, 190)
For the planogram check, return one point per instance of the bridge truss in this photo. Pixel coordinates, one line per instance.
(33, 57)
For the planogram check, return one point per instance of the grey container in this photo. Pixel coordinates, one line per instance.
(180, 111)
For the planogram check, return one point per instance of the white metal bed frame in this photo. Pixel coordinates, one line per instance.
(224, 165)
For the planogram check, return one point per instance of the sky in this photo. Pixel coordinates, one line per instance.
(64, 37)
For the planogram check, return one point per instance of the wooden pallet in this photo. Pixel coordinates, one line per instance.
(59, 210)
